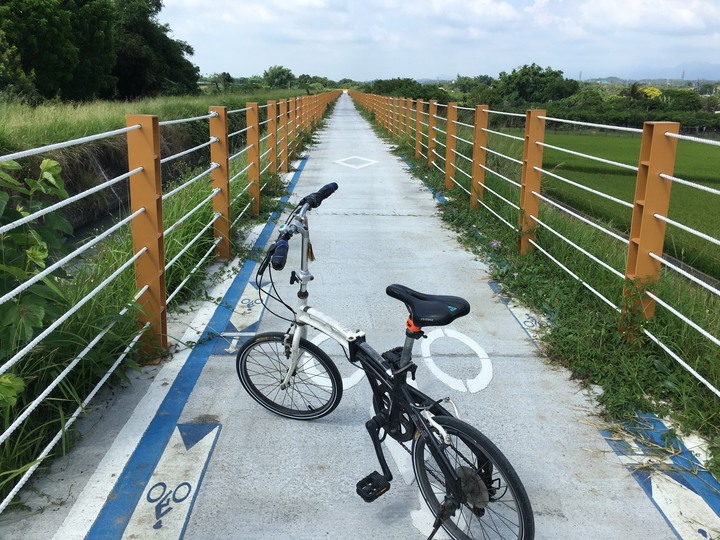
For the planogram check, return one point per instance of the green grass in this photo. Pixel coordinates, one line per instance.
(583, 331)
(694, 208)
(23, 126)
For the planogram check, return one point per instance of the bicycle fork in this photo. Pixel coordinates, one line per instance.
(292, 351)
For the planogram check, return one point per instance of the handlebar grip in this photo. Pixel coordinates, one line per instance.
(325, 191)
(279, 256)
(315, 199)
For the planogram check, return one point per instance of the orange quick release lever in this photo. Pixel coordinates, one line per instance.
(411, 326)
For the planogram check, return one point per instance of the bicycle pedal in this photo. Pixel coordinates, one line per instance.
(372, 486)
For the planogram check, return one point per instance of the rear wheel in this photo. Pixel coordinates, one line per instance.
(496, 505)
(313, 390)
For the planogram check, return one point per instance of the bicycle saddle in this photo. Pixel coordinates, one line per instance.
(429, 309)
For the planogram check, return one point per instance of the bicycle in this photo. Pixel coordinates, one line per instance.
(468, 484)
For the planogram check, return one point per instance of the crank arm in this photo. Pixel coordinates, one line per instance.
(373, 426)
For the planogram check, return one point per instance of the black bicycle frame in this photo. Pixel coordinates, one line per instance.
(403, 399)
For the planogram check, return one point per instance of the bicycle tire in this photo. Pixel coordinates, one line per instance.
(497, 505)
(314, 390)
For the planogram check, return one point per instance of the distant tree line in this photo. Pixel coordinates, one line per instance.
(88, 49)
(531, 86)
(273, 77)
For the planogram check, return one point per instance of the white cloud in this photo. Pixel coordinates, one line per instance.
(424, 38)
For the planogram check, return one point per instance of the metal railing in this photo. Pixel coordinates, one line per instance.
(466, 155)
(218, 186)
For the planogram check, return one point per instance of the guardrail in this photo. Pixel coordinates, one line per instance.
(271, 135)
(461, 152)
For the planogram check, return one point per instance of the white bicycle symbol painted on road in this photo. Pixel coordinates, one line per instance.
(160, 494)
(479, 382)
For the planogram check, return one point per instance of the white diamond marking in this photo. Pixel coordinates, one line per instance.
(355, 162)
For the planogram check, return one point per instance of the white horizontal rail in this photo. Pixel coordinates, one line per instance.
(588, 156)
(190, 182)
(212, 140)
(575, 276)
(184, 250)
(82, 249)
(590, 124)
(682, 362)
(184, 120)
(197, 207)
(66, 202)
(67, 144)
(71, 420)
(20, 354)
(581, 186)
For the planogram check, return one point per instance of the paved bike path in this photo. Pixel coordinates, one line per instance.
(185, 452)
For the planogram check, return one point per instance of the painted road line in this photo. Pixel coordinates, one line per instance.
(243, 322)
(114, 516)
(679, 485)
(479, 382)
(168, 499)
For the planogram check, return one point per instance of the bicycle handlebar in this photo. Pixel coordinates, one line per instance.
(279, 250)
(315, 199)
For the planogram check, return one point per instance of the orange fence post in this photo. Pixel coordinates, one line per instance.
(397, 116)
(272, 135)
(147, 228)
(409, 116)
(479, 160)
(532, 157)
(450, 144)
(221, 179)
(419, 109)
(647, 233)
(432, 122)
(292, 128)
(284, 136)
(253, 142)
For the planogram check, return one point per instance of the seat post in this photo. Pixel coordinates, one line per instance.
(412, 333)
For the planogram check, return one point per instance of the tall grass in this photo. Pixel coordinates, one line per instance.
(24, 126)
(582, 332)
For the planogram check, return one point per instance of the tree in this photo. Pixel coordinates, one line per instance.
(41, 30)
(93, 35)
(681, 99)
(468, 84)
(13, 81)
(222, 82)
(533, 84)
(149, 61)
(304, 81)
(278, 77)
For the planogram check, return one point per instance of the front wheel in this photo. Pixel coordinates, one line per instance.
(495, 504)
(313, 390)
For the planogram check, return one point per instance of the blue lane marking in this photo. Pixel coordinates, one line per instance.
(497, 289)
(650, 433)
(120, 505)
(436, 194)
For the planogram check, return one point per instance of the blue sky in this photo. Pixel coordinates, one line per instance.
(378, 39)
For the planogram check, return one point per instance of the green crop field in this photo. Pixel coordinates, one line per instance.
(694, 208)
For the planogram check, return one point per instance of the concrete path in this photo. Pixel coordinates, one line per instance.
(184, 451)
